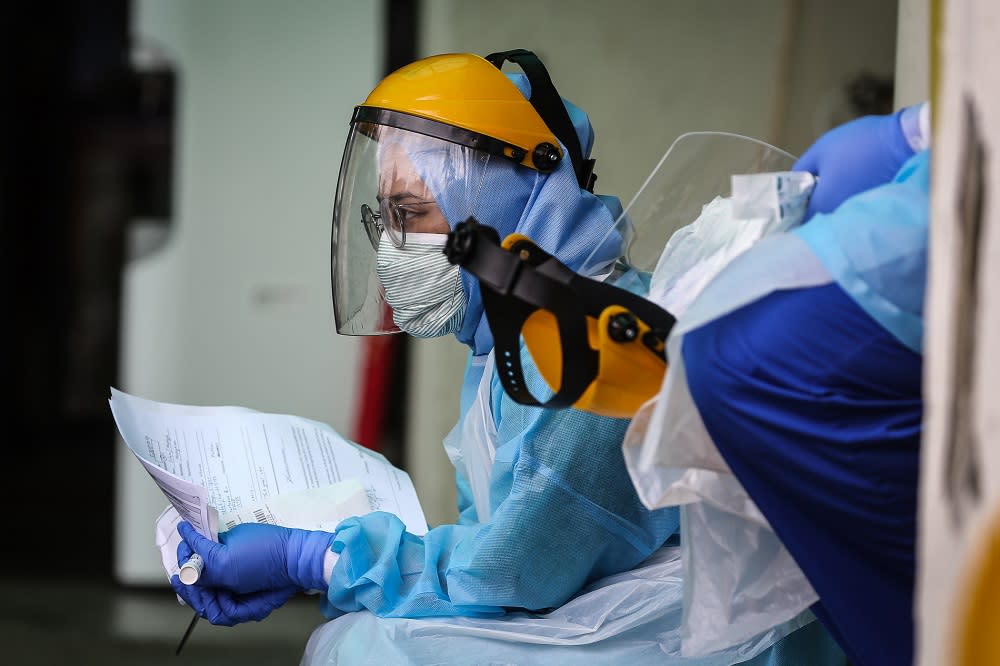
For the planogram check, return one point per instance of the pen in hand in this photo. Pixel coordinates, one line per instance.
(194, 621)
(189, 574)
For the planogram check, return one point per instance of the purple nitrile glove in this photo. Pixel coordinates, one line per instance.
(854, 157)
(252, 570)
(253, 557)
(224, 608)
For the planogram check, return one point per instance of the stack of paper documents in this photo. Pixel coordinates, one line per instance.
(221, 466)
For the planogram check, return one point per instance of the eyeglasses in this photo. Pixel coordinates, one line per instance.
(390, 218)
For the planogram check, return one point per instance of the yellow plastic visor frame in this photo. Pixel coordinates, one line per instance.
(463, 91)
(629, 371)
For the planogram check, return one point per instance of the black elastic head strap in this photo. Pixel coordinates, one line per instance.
(511, 293)
(549, 105)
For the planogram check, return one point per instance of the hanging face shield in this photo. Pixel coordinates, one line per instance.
(415, 164)
(600, 344)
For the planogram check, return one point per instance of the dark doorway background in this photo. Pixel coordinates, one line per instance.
(86, 147)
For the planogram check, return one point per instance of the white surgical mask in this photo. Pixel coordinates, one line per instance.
(423, 288)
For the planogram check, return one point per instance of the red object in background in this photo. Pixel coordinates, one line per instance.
(380, 353)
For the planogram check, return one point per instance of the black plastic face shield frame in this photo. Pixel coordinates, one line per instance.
(518, 282)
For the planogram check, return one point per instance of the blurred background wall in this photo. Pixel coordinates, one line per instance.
(169, 171)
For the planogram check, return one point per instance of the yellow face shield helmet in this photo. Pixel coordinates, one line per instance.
(599, 344)
(428, 128)
(466, 99)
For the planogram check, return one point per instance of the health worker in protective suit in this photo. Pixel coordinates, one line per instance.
(812, 392)
(548, 515)
(788, 423)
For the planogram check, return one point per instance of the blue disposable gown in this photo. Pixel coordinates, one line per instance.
(813, 397)
(564, 513)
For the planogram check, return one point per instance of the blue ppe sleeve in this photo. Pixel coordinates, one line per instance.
(817, 410)
(564, 513)
(875, 247)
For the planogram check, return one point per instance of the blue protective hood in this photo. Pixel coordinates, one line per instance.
(551, 209)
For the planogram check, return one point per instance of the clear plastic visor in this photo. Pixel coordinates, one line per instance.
(393, 184)
(696, 169)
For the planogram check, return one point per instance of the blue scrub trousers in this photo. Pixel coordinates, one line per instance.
(817, 410)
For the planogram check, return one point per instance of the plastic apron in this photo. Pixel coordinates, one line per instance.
(630, 617)
(735, 566)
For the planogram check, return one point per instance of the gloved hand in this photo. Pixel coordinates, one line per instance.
(254, 557)
(221, 607)
(854, 157)
(253, 570)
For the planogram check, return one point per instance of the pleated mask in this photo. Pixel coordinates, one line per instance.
(423, 289)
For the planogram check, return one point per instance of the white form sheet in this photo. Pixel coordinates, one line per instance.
(311, 509)
(219, 466)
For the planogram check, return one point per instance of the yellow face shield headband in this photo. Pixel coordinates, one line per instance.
(465, 99)
(599, 348)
